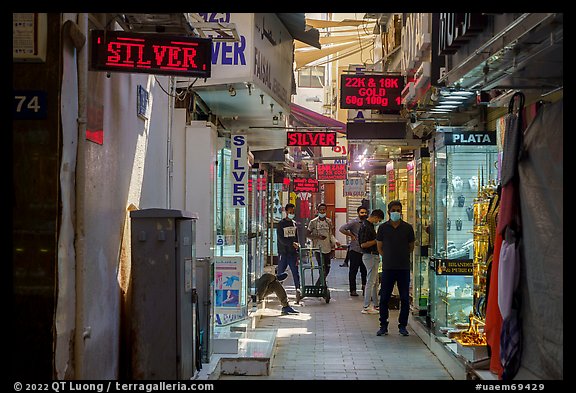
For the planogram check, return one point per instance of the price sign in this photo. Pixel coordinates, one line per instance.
(381, 92)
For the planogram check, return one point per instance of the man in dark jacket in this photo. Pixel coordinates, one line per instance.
(288, 246)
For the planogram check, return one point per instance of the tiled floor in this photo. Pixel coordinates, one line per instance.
(337, 341)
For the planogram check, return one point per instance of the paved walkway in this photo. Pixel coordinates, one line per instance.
(337, 341)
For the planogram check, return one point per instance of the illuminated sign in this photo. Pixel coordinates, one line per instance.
(381, 92)
(331, 171)
(311, 138)
(151, 53)
(305, 184)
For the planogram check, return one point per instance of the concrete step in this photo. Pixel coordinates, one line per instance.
(255, 351)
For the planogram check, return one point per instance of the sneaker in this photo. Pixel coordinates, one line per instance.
(382, 332)
(377, 308)
(281, 277)
(402, 330)
(289, 310)
(344, 265)
(369, 310)
(353, 293)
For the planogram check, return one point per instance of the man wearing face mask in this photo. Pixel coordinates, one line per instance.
(395, 241)
(320, 231)
(351, 229)
(288, 246)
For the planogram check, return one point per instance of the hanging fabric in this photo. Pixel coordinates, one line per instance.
(493, 317)
(509, 226)
(509, 200)
(542, 197)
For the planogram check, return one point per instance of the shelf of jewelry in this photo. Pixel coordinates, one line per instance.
(460, 172)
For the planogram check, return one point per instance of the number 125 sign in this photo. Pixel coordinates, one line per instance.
(381, 92)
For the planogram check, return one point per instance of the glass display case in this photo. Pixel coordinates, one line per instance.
(462, 161)
(377, 192)
(231, 228)
(422, 206)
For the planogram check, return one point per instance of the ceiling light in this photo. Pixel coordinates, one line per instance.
(231, 91)
(450, 102)
(275, 120)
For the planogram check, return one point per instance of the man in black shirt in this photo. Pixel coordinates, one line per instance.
(395, 241)
(288, 245)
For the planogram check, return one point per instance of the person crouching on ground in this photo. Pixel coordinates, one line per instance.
(269, 283)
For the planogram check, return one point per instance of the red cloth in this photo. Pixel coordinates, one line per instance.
(493, 319)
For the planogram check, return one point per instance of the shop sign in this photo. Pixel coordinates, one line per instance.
(273, 57)
(470, 138)
(302, 184)
(239, 170)
(453, 267)
(416, 39)
(382, 92)
(331, 171)
(456, 29)
(226, 53)
(261, 184)
(354, 186)
(151, 53)
(295, 138)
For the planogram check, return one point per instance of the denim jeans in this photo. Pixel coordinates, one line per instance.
(371, 262)
(289, 260)
(402, 278)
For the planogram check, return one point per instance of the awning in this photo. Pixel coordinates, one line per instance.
(303, 117)
(296, 25)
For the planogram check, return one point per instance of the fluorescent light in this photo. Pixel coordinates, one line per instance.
(442, 106)
(451, 101)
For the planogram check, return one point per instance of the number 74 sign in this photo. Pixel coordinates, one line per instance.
(29, 105)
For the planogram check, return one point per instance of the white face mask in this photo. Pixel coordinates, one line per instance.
(321, 215)
(291, 216)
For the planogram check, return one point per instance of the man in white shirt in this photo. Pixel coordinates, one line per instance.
(320, 230)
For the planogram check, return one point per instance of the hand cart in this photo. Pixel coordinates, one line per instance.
(310, 273)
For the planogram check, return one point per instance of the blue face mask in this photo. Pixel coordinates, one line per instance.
(321, 215)
(395, 216)
(291, 216)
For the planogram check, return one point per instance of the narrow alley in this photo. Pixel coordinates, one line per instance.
(336, 341)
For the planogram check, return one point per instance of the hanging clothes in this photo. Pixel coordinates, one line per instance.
(509, 226)
(510, 200)
(304, 204)
(493, 321)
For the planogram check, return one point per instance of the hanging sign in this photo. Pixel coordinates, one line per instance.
(331, 171)
(239, 170)
(302, 184)
(368, 91)
(354, 186)
(295, 138)
(151, 53)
